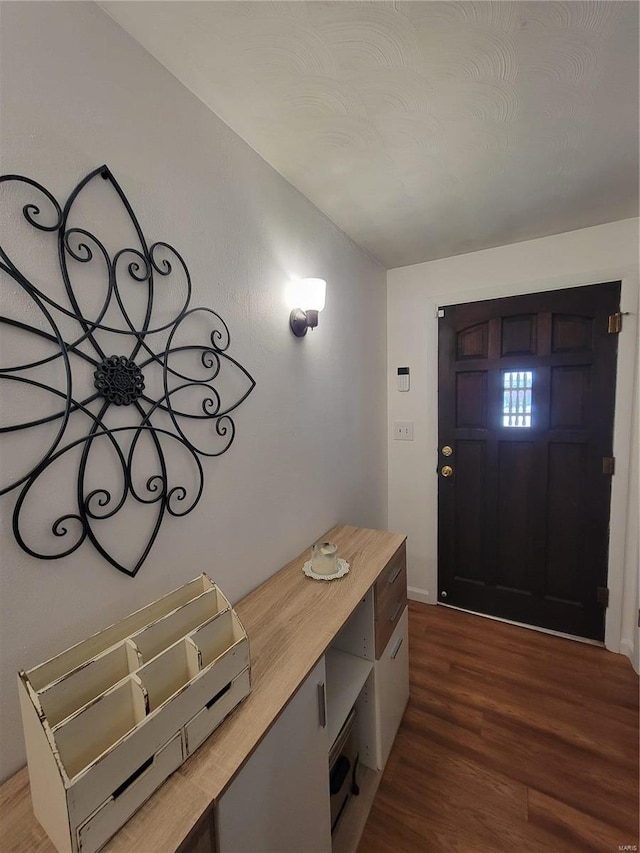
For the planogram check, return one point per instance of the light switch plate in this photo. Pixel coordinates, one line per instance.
(403, 430)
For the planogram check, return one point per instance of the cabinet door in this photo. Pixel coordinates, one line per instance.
(392, 687)
(279, 802)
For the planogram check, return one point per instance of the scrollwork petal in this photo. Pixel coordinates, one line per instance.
(210, 360)
(250, 387)
(31, 210)
(138, 268)
(156, 484)
(98, 499)
(66, 394)
(74, 406)
(159, 482)
(59, 527)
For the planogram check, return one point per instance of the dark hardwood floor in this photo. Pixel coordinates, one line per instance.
(512, 740)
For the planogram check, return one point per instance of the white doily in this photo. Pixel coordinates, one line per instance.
(343, 568)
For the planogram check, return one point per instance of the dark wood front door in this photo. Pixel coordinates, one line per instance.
(526, 401)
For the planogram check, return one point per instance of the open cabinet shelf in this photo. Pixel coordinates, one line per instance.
(346, 676)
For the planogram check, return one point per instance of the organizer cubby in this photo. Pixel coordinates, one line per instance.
(108, 720)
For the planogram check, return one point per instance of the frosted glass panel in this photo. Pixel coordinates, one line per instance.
(516, 405)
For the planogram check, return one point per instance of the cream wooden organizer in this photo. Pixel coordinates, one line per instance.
(108, 720)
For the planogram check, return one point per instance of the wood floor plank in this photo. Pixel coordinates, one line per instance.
(512, 739)
(583, 831)
(430, 827)
(523, 666)
(565, 776)
(596, 733)
(563, 680)
(459, 783)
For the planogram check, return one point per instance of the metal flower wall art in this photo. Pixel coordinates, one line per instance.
(116, 389)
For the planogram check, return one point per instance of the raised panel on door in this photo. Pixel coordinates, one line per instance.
(571, 333)
(570, 397)
(519, 335)
(471, 399)
(516, 474)
(279, 802)
(470, 484)
(566, 536)
(526, 398)
(473, 341)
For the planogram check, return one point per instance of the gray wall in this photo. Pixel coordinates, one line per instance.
(310, 449)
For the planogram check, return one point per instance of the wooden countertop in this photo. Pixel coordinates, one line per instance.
(290, 620)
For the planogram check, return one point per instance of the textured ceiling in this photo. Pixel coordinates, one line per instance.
(422, 129)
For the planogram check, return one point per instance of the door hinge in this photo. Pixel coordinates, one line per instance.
(439, 313)
(602, 596)
(614, 325)
(609, 465)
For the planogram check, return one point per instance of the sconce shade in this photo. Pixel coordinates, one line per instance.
(312, 294)
(307, 294)
(306, 298)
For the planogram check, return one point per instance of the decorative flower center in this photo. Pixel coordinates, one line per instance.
(119, 379)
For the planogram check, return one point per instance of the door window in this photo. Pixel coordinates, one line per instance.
(516, 406)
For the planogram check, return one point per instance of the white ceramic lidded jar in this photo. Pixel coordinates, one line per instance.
(324, 558)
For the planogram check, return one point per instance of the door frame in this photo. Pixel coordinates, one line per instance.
(626, 394)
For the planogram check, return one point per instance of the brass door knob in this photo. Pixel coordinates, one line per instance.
(446, 450)
(446, 470)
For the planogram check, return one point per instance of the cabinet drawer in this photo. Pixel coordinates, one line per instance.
(103, 823)
(390, 599)
(388, 575)
(392, 687)
(205, 721)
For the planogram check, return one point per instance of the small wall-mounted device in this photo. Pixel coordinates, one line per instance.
(403, 379)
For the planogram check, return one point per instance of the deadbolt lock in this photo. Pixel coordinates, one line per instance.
(446, 470)
(446, 450)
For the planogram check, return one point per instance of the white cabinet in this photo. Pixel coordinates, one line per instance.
(279, 802)
(392, 687)
(388, 690)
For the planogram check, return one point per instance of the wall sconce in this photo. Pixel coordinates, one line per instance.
(310, 294)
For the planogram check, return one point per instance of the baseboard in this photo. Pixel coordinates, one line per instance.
(415, 594)
(626, 648)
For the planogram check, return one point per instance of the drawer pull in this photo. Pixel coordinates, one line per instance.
(218, 695)
(394, 615)
(394, 577)
(131, 779)
(394, 653)
(322, 705)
